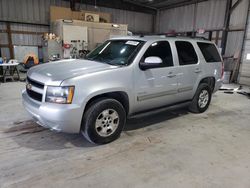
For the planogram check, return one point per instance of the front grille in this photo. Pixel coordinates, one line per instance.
(34, 95)
(35, 83)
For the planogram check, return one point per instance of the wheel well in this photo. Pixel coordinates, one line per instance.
(210, 81)
(120, 96)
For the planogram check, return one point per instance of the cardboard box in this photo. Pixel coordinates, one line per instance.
(60, 12)
(89, 17)
(66, 13)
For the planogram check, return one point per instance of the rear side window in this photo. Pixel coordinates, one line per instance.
(209, 52)
(162, 50)
(186, 53)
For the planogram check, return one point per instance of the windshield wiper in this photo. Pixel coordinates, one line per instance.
(88, 58)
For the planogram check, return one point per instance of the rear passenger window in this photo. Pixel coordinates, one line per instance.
(162, 50)
(209, 52)
(186, 53)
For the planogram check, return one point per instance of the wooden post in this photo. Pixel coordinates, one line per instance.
(217, 37)
(10, 45)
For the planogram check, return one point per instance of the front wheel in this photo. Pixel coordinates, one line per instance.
(103, 121)
(201, 99)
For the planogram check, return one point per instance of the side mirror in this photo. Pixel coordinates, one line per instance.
(150, 62)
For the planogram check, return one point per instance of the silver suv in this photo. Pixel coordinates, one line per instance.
(121, 78)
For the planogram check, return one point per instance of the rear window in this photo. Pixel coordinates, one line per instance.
(209, 52)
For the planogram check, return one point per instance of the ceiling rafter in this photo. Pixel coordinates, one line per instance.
(146, 6)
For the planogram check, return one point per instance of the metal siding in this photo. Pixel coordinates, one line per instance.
(26, 39)
(178, 19)
(210, 14)
(234, 42)
(26, 27)
(2, 26)
(33, 11)
(244, 77)
(3, 38)
(37, 11)
(5, 52)
(239, 14)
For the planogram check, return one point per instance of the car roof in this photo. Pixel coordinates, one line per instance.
(159, 37)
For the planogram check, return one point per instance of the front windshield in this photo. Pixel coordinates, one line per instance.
(116, 52)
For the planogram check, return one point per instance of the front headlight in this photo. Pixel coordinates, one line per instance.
(62, 95)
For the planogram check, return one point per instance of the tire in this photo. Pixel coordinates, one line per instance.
(103, 121)
(201, 99)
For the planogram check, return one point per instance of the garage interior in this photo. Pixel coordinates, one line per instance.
(166, 148)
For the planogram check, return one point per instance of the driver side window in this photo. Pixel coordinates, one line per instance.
(162, 50)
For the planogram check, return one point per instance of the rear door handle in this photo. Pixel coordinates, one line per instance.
(171, 75)
(197, 70)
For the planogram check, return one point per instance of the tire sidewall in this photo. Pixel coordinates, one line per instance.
(90, 119)
(200, 89)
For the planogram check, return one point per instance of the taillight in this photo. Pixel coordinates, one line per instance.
(222, 69)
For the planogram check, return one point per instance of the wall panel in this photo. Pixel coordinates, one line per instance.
(178, 19)
(239, 14)
(244, 77)
(37, 11)
(210, 15)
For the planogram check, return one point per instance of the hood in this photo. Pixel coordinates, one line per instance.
(60, 70)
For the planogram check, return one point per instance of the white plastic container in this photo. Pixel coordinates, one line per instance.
(226, 77)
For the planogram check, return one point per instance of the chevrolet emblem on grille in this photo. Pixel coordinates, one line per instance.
(29, 86)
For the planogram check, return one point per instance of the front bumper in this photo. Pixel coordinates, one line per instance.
(60, 117)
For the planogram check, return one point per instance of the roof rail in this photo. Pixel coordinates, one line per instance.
(173, 35)
(203, 38)
(192, 37)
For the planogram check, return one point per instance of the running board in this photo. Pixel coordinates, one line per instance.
(160, 109)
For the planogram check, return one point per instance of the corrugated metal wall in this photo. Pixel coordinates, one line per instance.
(210, 15)
(27, 39)
(238, 16)
(178, 19)
(4, 40)
(237, 21)
(37, 11)
(245, 66)
(234, 42)
(33, 11)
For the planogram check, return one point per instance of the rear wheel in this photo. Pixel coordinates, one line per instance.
(201, 99)
(103, 121)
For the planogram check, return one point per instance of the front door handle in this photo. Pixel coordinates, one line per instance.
(197, 70)
(171, 75)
